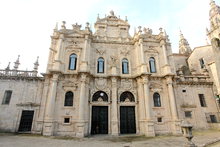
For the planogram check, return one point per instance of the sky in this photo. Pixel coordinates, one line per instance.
(26, 25)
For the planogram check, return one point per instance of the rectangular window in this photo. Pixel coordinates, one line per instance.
(67, 120)
(159, 119)
(213, 119)
(7, 97)
(202, 100)
(202, 63)
(188, 114)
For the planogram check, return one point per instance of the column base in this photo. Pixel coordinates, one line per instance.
(115, 128)
(81, 130)
(176, 127)
(149, 127)
(48, 128)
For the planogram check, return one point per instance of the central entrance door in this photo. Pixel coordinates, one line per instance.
(99, 120)
(26, 121)
(127, 120)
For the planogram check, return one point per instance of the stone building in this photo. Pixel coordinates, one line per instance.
(109, 82)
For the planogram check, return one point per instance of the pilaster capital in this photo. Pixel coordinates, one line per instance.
(55, 77)
(169, 81)
(83, 78)
(145, 80)
(163, 42)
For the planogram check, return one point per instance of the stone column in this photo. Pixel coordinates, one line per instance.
(141, 106)
(82, 104)
(114, 118)
(58, 55)
(49, 112)
(176, 129)
(149, 122)
(85, 53)
(166, 67)
(141, 52)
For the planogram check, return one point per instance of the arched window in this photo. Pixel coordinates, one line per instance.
(125, 67)
(152, 65)
(127, 97)
(100, 96)
(156, 98)
(68, 99)
(100, 66)
(72, 62)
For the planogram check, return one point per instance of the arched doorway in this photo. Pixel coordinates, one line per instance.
(99, 114)
(127, 114)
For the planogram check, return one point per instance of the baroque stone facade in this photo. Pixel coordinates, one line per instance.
(109, 82)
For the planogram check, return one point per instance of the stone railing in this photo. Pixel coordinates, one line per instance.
(193, 79)
(18, 73)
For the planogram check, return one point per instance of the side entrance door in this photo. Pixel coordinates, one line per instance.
(127, 120)
(26, 121)
(99, 120)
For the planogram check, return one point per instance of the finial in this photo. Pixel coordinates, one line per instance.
(17, 63)
(126, 19)
(87, 26)
(161, 30)
(8, 67)
(98, 17)
(63, 26)
(135, 31)
(56, 27)
(36, 64)
(139, 29)
(112, 13)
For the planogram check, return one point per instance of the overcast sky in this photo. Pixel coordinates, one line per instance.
(26, 25)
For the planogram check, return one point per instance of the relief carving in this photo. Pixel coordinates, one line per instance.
(156, 87)
(113, 61)
(100, 51)
(101, 83)
(71, 84)
(125, 52)
(126, 84)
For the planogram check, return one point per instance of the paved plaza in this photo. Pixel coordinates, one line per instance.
(26, 140)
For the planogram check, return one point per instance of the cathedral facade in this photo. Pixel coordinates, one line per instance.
(109, 82)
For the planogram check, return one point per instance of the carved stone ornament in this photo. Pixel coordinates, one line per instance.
(126, 84)
(74, 85)
(100, 99)
(125, 52)
(101, 83)
(156, 87)
(113, 61)
(127, 100)
(100, 51)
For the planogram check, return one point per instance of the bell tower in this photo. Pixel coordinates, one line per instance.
(214, 36)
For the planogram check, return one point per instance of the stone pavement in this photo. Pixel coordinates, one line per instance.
(14, 140)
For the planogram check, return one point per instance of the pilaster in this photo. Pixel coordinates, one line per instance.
(114, 118)
(149, 124)
(50, 104)
(176, 128)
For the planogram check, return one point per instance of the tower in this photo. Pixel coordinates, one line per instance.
(214, 36)
(184, 47)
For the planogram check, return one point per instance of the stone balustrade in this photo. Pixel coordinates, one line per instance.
(19, 73)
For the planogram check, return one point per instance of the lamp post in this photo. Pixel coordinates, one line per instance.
(187, 132)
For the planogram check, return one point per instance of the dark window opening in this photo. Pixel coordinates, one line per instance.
(184, 90)
(68, 99)
(7, 97)
(159, 119)
(101, 65)
(100, 96)
(66, 120)
(152, 65)
(202, 100)
(202, 63)
(213, 119)
(127, 97)
(125, 67)
(72, 62)
(157, 102)
(188, 114)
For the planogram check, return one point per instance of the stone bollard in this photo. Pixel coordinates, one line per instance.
(187, 132)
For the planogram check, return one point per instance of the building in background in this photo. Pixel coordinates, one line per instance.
(109, 82)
